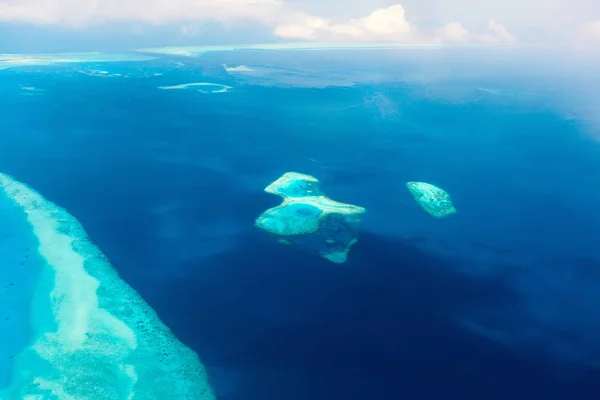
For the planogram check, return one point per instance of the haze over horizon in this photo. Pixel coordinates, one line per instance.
(110, 25)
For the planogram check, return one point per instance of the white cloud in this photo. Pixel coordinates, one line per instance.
(188, 30)
(307, 28)
(287, 19)
(587, 37)
(453, 32)
(532, 21)
(384, 24)
(85, 12)
(497, 34)
(594, 29)
(591, 31)
(387, 25)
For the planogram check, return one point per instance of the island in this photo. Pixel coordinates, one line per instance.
(433, 199)
(91, 336)
(207, 87)
(237, 68)
(309, 220)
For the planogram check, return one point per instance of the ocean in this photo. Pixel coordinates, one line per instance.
(498, 301)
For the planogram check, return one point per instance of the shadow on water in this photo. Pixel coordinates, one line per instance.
(271, 322)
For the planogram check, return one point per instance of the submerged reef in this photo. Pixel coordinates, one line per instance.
(310, 221)
(208, 87)
(25, 60)
(92, 336)
(194, 51)
(504, 92)
(237, 68)
(433, 199)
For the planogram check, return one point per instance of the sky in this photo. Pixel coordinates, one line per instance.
(73, 25)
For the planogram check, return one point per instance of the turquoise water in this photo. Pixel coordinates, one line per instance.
(495, 301)
(21, 267)
(90, 335)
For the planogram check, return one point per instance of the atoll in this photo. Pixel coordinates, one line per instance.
(92, 336)
(308, 220)
(433, 199)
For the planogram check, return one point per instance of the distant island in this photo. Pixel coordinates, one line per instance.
(209, 87)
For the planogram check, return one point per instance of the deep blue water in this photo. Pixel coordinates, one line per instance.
(498, 301)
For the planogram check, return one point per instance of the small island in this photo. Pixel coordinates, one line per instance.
(433, 199)
(207, 87)
(310, 221)
(237, 68)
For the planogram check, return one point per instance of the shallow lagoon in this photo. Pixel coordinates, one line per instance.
(21, 267)
(86, 333)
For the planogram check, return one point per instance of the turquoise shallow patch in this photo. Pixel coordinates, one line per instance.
(25, 60)
(20, 268)
(433, 199)
(308, 220)
(292, 219)
(293, 184)
(204, 87)
(92, 336)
